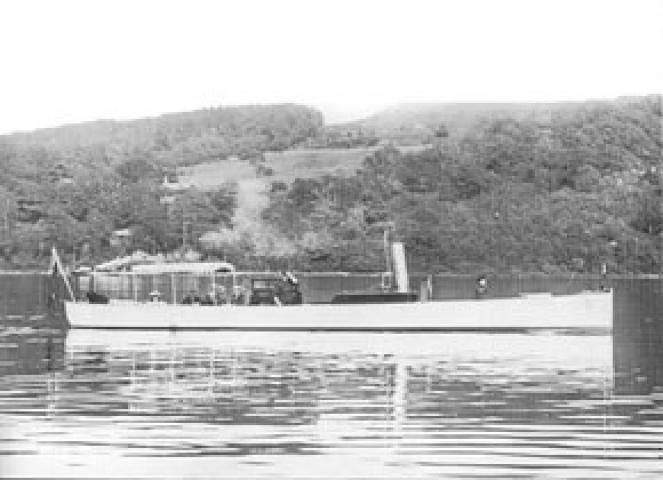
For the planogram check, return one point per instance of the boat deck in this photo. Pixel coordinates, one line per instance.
(587, 310)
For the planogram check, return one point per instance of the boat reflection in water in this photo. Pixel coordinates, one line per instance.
(285, 404)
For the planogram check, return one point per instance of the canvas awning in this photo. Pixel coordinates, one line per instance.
(127, 262)
(184, 267)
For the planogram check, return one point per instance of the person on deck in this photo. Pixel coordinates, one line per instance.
(215, 297)
(94, 297)
(482, 286)
(191, 298)
(287, 290)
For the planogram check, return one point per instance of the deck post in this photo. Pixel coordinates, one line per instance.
(173, 288)
(232, 289)
(213, 287)
(135, 286)
(423, 292)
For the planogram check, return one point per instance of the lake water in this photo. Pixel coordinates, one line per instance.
(88, 403)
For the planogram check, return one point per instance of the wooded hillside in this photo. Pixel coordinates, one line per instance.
(551, 190)
(526, 188)
(73, 186)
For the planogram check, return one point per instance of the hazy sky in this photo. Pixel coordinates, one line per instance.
(64, 61)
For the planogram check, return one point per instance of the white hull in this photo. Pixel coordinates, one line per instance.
(591, 310)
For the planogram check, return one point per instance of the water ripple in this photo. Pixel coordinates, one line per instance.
(377, 405)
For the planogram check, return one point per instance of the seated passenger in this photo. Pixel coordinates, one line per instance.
(191, 298)
(287, 290)
(221, 298)
(94, 297)
(482, 286)
(214, 296)
(207, 299)
(239, 296)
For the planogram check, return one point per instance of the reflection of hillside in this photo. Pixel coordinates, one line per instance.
(30, 348)
(472, 393)
(638, 336)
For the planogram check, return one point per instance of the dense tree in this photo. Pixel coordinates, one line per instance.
(553, 192)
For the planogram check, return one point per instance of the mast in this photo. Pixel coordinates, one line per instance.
(56, 267)
(387, 251)
(400, 267)
(395, 260)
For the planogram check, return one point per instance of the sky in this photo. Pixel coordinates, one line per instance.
(69, 61)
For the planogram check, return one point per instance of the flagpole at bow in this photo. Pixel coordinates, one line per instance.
(56, 267)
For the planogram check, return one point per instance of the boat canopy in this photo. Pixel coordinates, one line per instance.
(184, 267)
(127, 262)
(142, 262)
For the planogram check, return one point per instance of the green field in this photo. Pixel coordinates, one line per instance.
(286, 166)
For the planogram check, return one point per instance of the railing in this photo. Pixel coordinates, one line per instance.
(321, 287)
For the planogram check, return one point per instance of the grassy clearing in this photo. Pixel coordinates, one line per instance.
(291, 164)
(214, 174)
(286, 166)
